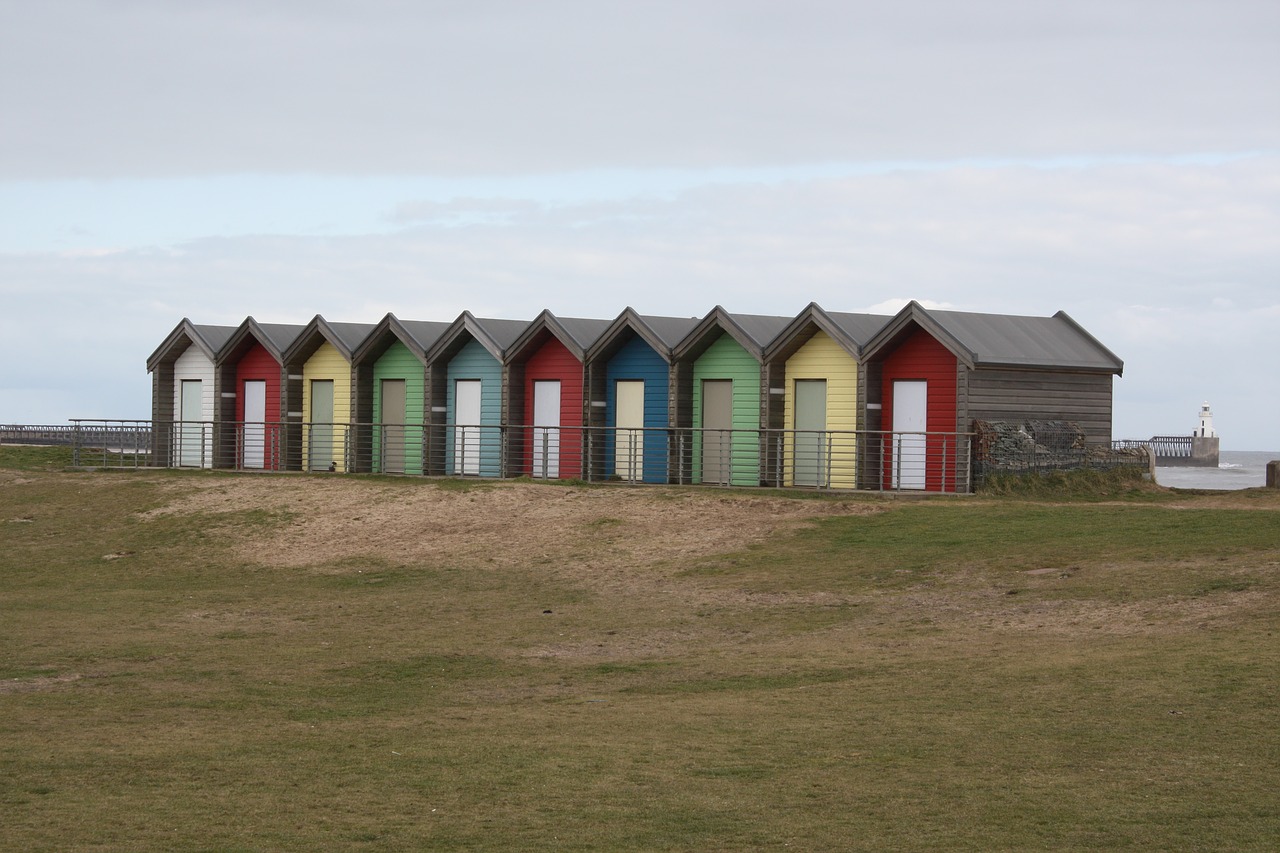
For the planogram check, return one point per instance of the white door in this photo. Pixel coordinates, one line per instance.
(628, 452)
(191, 435)
(254, 448)
(546, 436)
(910, 410)
(466, 437)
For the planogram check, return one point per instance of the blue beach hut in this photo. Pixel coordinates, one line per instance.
(629, 375)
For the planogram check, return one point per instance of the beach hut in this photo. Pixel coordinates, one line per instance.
(814, 400)
(545, 394)
(629, 382)
(718, 397)
(466, 393)
(250, 371)
(183, 393)
(390, 368)
(319, 395)
(930, 374)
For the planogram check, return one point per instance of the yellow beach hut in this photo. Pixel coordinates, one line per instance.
(815, 404)
(319, 394)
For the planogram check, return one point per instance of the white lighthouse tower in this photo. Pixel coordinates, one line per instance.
(1205, 430)
(1204, 441)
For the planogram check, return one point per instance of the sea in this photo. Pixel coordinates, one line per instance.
(1237, 469)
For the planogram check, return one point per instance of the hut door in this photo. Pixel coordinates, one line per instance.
(910, 410)
(811, 425)
(546, 435)
(393, 417)
(320, 452)
(254, 448)
(190, 413)
(628, 454)
(717, 421)
(466, 436)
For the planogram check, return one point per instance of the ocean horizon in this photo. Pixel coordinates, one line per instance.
(1237, 469)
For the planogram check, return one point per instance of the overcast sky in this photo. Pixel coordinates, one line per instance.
(1118, 160)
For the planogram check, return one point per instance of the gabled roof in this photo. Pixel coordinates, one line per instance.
(753, 332)
(418, 336)
(274, 337)
(208, 339)
(344, 337)
(662, 334)
(496, 336)
(850, 331)
(576, 333)
(992, 340)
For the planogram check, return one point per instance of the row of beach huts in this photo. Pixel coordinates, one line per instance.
(823, 399)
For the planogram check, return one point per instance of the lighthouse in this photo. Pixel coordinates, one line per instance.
(1205, 430)
(1204, 441)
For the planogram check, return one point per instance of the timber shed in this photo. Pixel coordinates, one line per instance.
(719, 387)
(250, 377)
(319, 392)
(930, 371)
(629, 382)
(390, 370)
(466, 395)
(815, 397)
(183, 393)
(545, 391)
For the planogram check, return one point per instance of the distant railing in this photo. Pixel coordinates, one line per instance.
(1167, 446)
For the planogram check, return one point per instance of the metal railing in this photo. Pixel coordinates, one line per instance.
(813, 459)
(111, 443)
(1168, 446)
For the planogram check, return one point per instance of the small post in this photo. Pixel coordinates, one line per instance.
(1273, 474)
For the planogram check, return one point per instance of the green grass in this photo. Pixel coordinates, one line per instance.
(1001, 674)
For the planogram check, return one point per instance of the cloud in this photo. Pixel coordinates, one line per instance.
(1171, 267)
(155, 88)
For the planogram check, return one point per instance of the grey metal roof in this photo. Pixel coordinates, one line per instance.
(859, 327)
(583, 331)
(280, 335)
(351, 335)
(1056, 341)
(425, 332)
(215, 336)
(761, 328)
(670, 330)
(208, 339)
(501, 332)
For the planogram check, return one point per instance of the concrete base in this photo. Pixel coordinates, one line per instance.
(1204, 454)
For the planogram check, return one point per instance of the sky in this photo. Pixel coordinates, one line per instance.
(1116, 160)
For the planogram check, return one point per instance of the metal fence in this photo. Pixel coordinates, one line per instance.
(100, 443)
(814, 459)
(1040, 447)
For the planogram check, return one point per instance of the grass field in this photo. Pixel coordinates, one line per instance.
(205, 661)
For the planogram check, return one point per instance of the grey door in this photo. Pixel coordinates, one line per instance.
(811, 425)
(717, 439)
(393, 416)
(320, 453)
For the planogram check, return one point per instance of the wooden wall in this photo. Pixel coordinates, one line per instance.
(1020, 395)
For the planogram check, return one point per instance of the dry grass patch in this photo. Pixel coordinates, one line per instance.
(301, 663)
